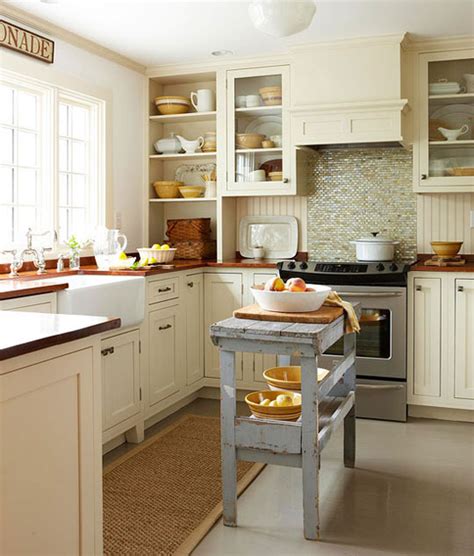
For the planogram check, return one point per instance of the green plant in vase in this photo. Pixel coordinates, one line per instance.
(74, 252)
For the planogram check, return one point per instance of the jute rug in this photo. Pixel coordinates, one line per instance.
(162, 497)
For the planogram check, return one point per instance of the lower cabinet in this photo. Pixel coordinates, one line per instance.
(464, 340)
(121, 392)
(42, 303)
(165, 353)
(194, 316)
(223, 295)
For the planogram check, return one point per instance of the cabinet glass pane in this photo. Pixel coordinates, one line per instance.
(451, 118)
(258, 129)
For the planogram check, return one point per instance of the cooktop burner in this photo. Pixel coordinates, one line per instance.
(356, 273)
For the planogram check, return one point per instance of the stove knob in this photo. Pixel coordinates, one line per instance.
(304, 265)
(393, 267)
(291, 265)
(380, 267)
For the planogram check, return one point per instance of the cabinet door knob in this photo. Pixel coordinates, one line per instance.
(106, 351)
(460, 288)
(285, 180)
(163, 290)
(418, 288)
(165, 327)
(423, 176)
(190, 284)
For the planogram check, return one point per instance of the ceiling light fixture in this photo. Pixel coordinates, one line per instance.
(281, 18)
(222, 52)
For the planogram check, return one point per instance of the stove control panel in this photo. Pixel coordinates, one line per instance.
(336, 268)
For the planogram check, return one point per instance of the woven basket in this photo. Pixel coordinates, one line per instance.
(192, 228)
(195, 249)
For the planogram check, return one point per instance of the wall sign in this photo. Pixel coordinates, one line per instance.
(26, 42)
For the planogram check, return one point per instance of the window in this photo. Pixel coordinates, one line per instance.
(52, 168)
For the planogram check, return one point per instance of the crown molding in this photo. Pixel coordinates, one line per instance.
(57, 32)
(433, 44)
(356, 106)
(379, 40)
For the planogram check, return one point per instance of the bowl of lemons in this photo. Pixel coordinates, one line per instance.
(156, 254)
(281, 405)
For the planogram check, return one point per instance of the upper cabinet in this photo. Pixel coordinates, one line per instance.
(258, 134)
(444, 149)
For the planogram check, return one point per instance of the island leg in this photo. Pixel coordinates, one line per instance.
(228, 450)
(350, 418)
(310, 446)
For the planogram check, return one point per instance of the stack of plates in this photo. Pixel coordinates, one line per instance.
(445, 88)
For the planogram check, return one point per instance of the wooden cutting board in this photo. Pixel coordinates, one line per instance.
(324, 315)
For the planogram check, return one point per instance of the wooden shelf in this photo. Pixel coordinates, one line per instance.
(462, 98)
(185, 118)
(181, 200)
(259, 111)
(272, 150)
(182, 156)
(458, 143)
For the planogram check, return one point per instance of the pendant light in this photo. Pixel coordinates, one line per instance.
(281, 18)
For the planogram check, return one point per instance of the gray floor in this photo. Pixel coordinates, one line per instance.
(412, 492)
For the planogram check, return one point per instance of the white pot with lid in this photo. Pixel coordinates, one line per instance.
(375, 248)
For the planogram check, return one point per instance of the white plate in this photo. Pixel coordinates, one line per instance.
(267, 125)
(277, 234)
(454, 116)
(190, 174)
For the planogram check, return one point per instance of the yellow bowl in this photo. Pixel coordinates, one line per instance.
(276, 176)
(167, 189)
(168, 105)
(249, 140)
(288, 378)
(192, 191)
(446, 249)
(265, 411)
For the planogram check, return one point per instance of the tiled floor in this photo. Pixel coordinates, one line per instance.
(412, 492)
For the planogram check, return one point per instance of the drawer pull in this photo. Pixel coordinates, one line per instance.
(165, 327)
(424, 176)
(106, 351)
(460, 288)
(418, 288)
(163, 290)
(190, 284)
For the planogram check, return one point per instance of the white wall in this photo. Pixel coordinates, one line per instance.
(124, 89)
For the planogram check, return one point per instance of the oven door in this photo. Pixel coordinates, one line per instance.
(381, 343)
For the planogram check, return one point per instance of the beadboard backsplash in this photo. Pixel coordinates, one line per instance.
(357, 191)
(445, 217)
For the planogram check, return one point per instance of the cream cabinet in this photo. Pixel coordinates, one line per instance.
(121, 389)
(50, 464)
(440, 341)
(445, 99)
(166, 356)
(464, 340)
(194, 316)
(42, 303)
(223, 295)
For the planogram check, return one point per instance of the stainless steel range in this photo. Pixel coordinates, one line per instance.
(380, 287)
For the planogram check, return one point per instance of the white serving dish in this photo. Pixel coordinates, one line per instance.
(375, 248)
(161, 255)
(291, 302)
(266, 125)
(190, 174)
(277, 234)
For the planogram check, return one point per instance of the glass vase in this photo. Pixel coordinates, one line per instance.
(74, 260)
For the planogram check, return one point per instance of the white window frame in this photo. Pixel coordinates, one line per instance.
(50, 97)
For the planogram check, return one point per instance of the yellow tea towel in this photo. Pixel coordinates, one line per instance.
(352, 322)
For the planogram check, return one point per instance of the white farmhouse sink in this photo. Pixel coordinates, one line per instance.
(103, 296)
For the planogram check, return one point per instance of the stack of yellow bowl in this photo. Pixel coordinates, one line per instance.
(280, 405)
(288, 378)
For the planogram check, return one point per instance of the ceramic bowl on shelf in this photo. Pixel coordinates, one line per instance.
(275, 176)
(287, 412)
(161, 255)
(172, 104)
(249, 140)
(167, 189)
(192, 191)
(271, 96)
(288, 378)
(291, 302)
(168, 145)
(446, 249)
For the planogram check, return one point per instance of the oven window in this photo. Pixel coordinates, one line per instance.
(374, 339)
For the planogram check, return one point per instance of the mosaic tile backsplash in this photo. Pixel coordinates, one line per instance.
(356, 191)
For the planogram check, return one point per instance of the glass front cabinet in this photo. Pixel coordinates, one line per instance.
(258, 134)
(445, 160)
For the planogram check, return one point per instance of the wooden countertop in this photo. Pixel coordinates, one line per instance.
(420, 267)
(21, 288)
(23, 332)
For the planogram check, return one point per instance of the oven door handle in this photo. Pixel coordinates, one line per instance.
(370, 294)
(379, 387)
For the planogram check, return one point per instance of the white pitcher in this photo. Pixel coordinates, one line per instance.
(108, 244)
(203, 100)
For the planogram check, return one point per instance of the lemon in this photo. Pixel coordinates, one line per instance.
(144, 262)
(283, 400)
(123, 256)
(152, 260)
(156, 246)
(273, 403)
(165, 247)
(266, 401)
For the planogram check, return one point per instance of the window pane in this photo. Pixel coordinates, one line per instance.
(78, 222)
(78, 191)
(63, 224)
(6, 145)
(6, 226)
(26, 148)
(63, 119)
(25, 218)
(78, 157)
(6, 185)
(63, 190)
(27, 186)
(63, 155)
(79, 119)
(6, 105)
(27, 112)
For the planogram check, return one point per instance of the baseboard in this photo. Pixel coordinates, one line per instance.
(443, 413)
(170, 410)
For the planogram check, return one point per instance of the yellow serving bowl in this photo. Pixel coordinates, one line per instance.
(267, 412)
(288, 378)
(169, 105)
(446, 249)
(167, 189)
(192, 191)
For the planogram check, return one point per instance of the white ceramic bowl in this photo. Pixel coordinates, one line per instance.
(161, 255)
(291, 302)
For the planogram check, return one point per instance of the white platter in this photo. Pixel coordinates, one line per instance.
(190, 174)
(266, 125)
(454, 116)
(277, 234)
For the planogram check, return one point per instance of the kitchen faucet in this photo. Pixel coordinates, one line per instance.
(38, 255)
